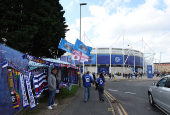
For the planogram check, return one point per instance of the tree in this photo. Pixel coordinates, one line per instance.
(33, 26)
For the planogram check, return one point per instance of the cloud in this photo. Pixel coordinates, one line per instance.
(107, 23)
(77, 1)
(68, 7)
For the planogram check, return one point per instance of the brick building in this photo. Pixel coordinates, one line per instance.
(162, 67)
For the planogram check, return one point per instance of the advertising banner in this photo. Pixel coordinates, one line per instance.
(149, 71)
(117, 59)
(103, 59)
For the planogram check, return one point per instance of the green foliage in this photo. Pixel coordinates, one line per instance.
(33, 26)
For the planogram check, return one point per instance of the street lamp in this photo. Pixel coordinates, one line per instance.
(160, 61)
(80, 25)
(80, 17)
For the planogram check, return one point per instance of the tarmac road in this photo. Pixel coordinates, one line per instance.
(132, 95)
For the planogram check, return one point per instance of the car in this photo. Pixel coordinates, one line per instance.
(159, 94)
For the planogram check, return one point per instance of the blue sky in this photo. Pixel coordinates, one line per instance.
(104, 21)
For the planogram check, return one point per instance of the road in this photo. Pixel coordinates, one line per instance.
(132, 95)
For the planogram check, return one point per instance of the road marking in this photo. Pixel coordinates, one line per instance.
(119, 107)
(112, 90)
(130, 93)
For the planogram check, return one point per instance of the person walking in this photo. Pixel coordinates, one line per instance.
(52, 88)
(110, 76)
(87, 80)
(94, 78)
(101, 84)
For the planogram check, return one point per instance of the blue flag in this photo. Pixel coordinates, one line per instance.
(149, 71)
(80, 46)
(66, 46)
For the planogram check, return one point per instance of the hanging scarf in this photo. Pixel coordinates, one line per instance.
(13, 88)
(25, 100)
(31, 97)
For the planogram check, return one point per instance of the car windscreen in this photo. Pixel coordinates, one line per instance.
(162, 82)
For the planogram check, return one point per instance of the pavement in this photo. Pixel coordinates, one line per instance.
(91, 107)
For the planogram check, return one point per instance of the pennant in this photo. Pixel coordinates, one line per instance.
(80, 46)
(65, 45)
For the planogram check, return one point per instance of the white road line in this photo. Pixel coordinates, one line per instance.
(112, 90)
(130, 93)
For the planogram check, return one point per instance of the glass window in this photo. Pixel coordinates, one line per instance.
(162, 82)
(167, 84)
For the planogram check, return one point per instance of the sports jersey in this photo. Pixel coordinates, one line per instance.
(87, 80)
(100, 81)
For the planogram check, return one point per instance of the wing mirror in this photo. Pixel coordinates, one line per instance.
(154, 83)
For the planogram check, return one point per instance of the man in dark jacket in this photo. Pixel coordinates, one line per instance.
(52, 88)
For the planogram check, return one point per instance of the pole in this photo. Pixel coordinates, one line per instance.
(110, 59)
(96, 60)
(134, 63)
(123, 52)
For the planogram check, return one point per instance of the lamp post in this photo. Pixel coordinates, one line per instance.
(80, 17)
(160, 61)
(80, 27)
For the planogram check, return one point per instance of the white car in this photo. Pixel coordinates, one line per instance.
(159, 94)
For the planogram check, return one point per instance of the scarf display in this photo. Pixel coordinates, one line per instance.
(40, 82)
(13, 87)
(25, 100)
(30, 94)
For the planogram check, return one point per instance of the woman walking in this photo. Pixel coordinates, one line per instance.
(101, 84)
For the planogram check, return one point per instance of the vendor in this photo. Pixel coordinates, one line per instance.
(52, 86)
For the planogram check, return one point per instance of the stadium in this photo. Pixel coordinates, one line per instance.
(110, 60)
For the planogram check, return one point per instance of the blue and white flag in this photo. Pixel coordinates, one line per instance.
(66, 46)
(149, 71)
(4, 64)
(80, 46)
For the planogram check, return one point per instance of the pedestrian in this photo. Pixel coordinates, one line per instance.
(52, 88)
(87, 80)
(110, 76)
(129, 76)
(136, 75)
(101, 84)
(94, 78)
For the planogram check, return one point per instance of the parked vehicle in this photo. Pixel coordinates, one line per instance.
(159, 94)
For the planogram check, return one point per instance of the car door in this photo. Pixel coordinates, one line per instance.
(157, 91)
(166, 96)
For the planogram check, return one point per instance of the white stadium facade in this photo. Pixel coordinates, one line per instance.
(110, 60)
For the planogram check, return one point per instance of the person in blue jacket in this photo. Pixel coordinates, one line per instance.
(101, 84)
(87, 80)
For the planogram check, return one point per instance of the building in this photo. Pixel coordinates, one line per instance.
(162, 67)
(101, 58)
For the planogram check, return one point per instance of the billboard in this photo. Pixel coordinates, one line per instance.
(116, 59)
(149, 71)
(103, 59)
(63, 58)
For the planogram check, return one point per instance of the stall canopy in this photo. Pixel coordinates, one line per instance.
(33, 65)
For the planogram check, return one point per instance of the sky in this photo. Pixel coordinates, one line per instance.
(107, 23)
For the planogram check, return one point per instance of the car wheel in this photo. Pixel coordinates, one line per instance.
(151, 101)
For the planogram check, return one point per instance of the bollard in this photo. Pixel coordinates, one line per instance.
(79, 76)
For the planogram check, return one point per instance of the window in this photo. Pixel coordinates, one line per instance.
(162, 82)
(167, 84)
